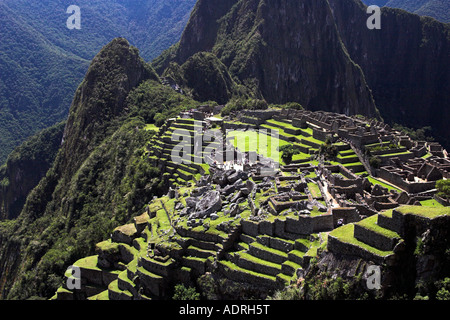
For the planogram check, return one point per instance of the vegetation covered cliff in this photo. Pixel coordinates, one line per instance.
(283, 51)
(322, 55)
(405, 64)
(42, 61)
(26, 166)
(99, 179)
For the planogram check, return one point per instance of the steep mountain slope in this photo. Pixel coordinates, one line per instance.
(42, 61)
(25, 167)
(322, 55)
(98, 179)
(406, 64)
(283, 50)
(37, 80)
(379, 3)
(438, 9)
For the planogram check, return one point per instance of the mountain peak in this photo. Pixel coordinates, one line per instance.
(101, 97)
(289, 51)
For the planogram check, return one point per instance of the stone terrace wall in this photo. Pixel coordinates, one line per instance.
(291, 228)
(348, 215)
(339, 247)
(244, 277)
(261, 114)
(397, 180)
(375, 239)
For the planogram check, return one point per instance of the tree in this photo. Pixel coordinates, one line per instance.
(288, 151)
(185, 294)
(375, 162)
(443, 187)
(328, 150)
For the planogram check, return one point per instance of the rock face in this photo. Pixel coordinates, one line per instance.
(409, 52)
(101, 97)
(287, 50)
(26, 166)
(210, 203)
(322, 55)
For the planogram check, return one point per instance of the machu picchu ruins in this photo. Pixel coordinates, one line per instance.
(235, 212)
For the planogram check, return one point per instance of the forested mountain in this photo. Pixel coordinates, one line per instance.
(315, 52)
(100, 163)
(42, 62)
(438, 9)
(275, 49)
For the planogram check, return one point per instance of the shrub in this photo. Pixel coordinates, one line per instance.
(328, 150)
(375, 162)
(288, 151)
(443, 187)
(443, 287)
(293, 106)
(185, 294)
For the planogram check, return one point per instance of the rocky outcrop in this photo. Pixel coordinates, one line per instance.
(208, 204)
(322, 55)
(285, 51)
(25, 167)
(409, 52)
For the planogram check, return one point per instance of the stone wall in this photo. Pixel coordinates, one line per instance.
(442, 201)
(300, 123)
(338, 247)
(306, 225)
(402, 157)
(321, 134)
(390, 151)
(322, 223)
(320, 124)
(347, 215)
(261, 114)
(252, 120)
(416, 224)
(250, 228)
(155, 267)
(245, 277)
(261, 268)
(397, 180)
(199, 235)
(375, 239)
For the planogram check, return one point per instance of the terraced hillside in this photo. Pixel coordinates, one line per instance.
(145, 259)
(383, 238)
(228, 231)
(179, 135)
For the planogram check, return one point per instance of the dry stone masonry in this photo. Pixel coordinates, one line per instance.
(230, 220)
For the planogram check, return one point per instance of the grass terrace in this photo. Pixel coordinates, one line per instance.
(263, 144)
(346, 234)
(427, 212)
(431, 203)
(371, 224)
(374, 181)
(282, 124)
(395, 154)
(315, 190)
(151, 127)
